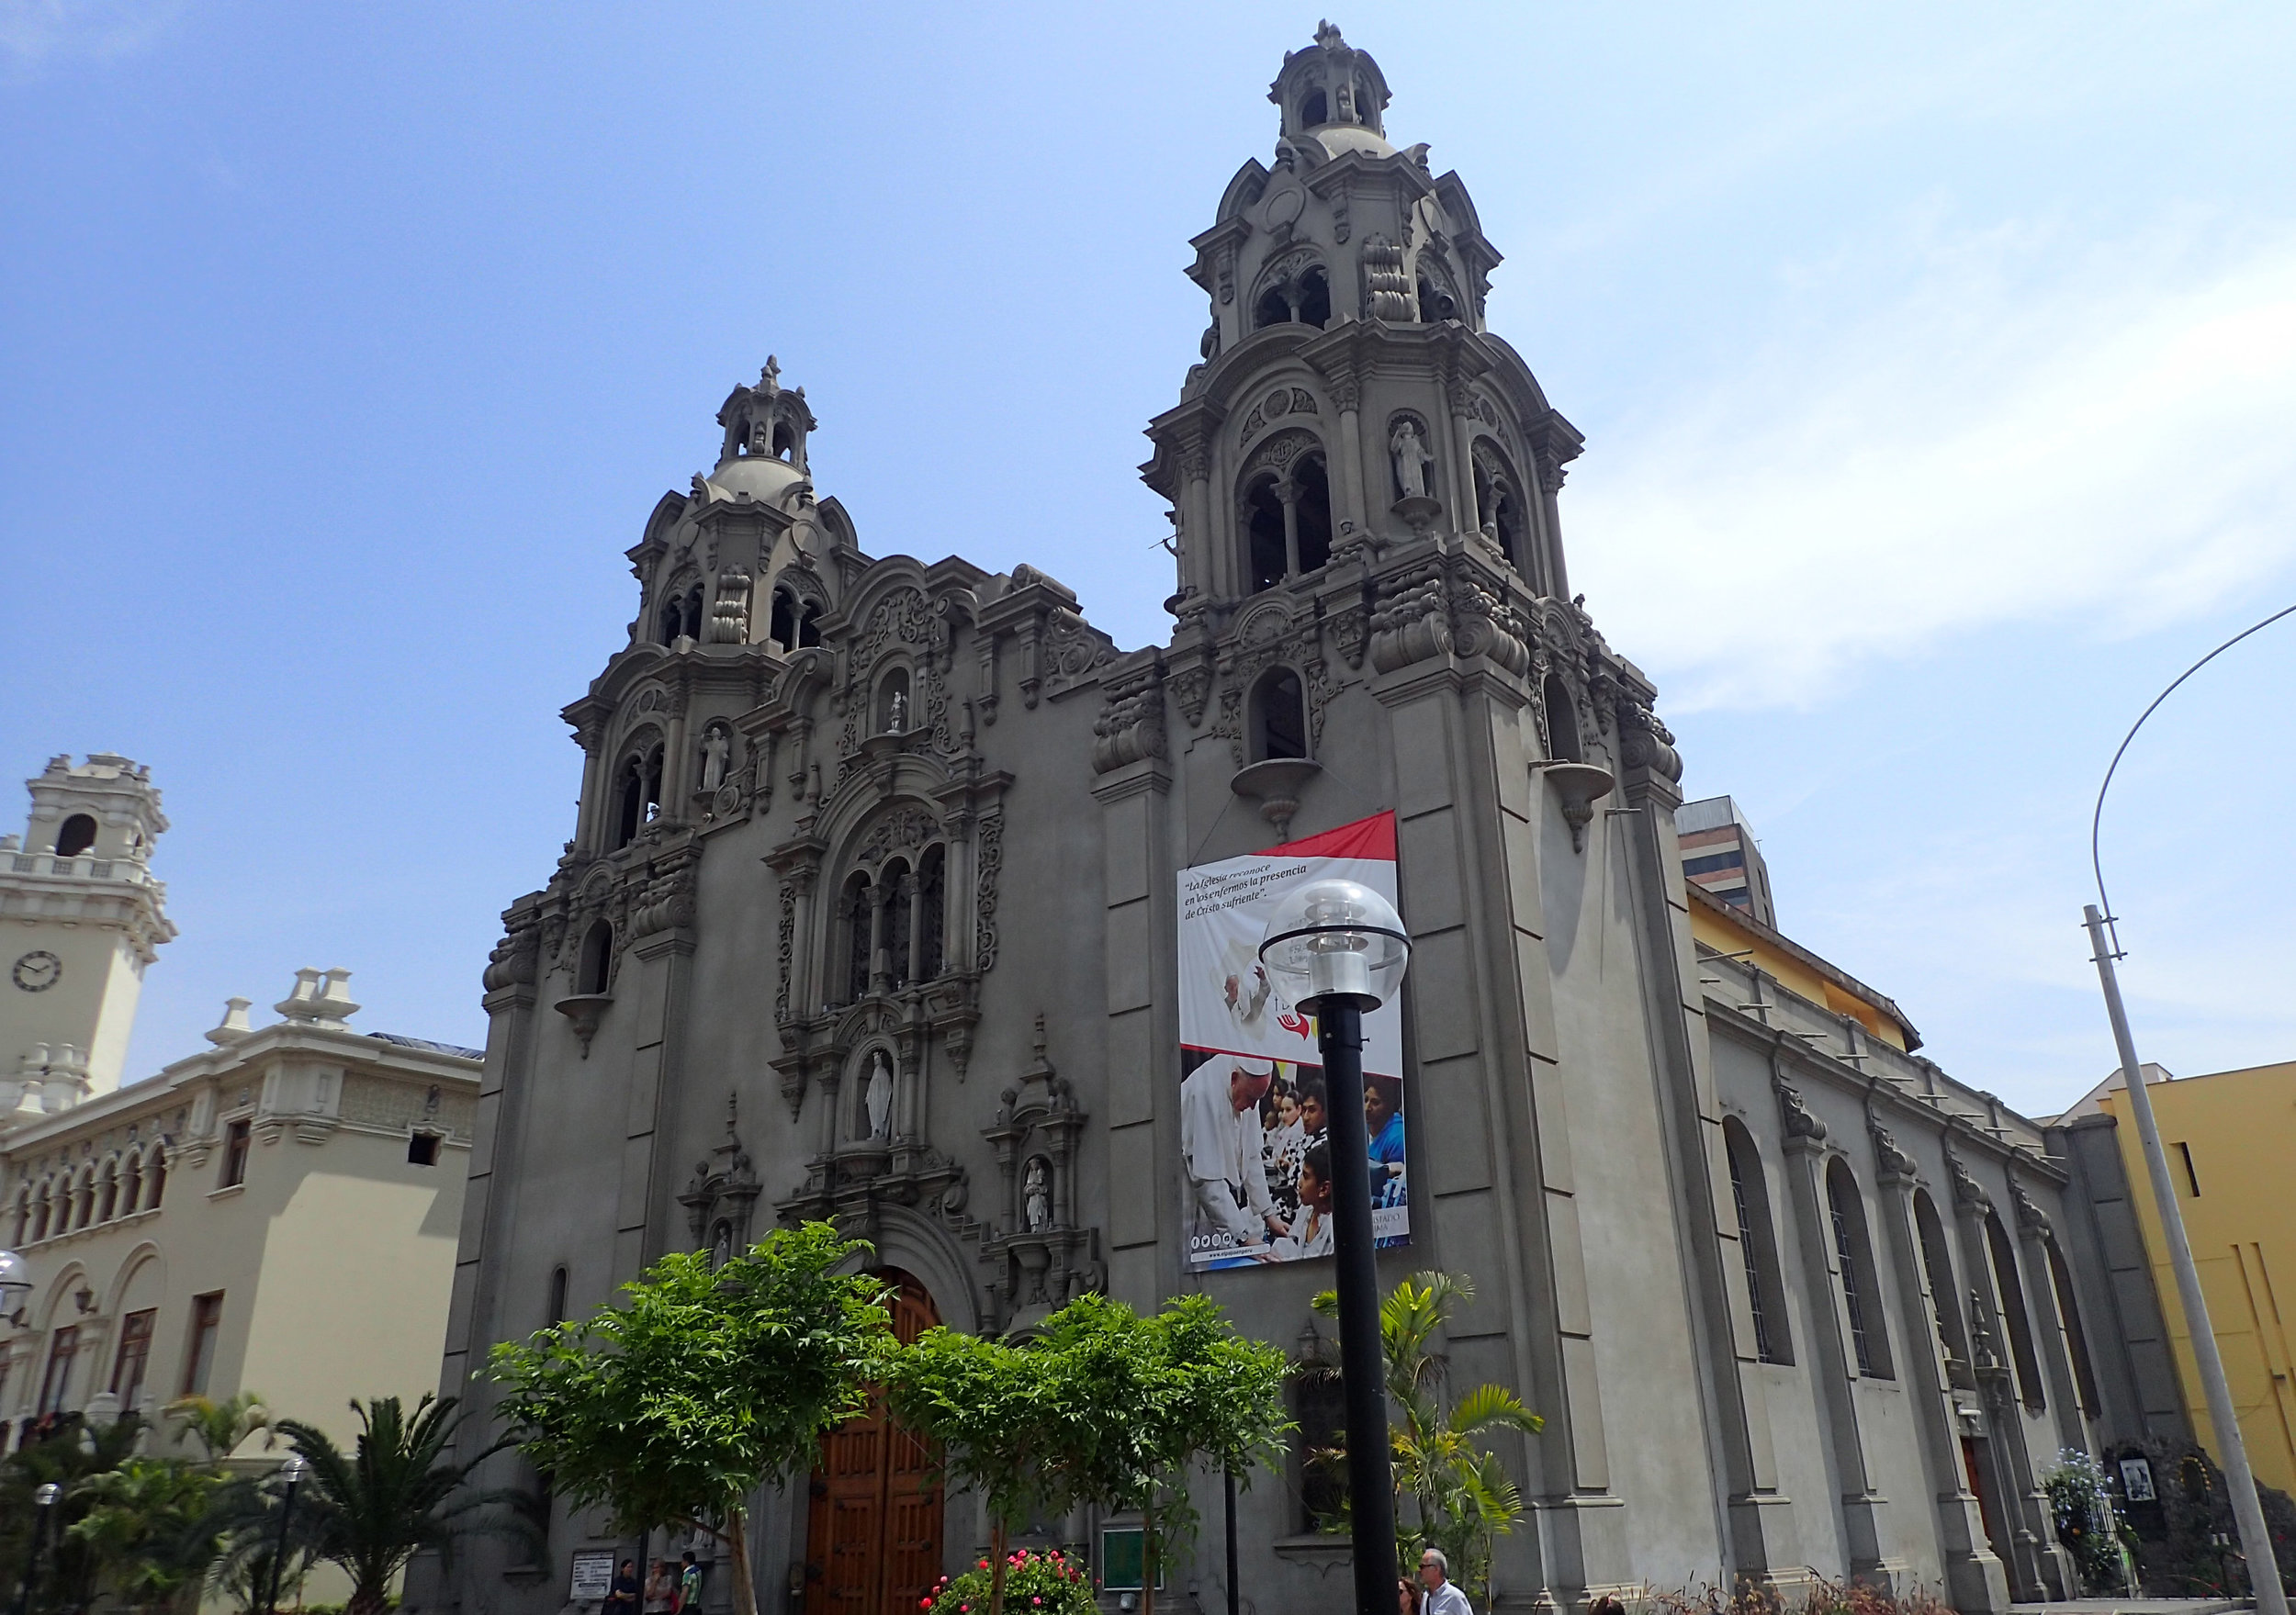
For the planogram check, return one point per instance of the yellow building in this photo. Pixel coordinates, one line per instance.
(2229, 1139)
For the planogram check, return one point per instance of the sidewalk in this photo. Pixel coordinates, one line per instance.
(2134, 1607)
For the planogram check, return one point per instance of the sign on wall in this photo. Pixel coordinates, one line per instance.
(1255, 1166)
(593, 1578)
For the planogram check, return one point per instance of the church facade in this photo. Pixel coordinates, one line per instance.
(870, 912)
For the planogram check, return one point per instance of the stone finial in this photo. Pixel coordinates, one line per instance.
(333, 1003)
(234, 1025)
(297, 1006)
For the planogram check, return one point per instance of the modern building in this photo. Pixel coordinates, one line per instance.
(1721, 858)
(870, 913)
(2229, 1136)
(277, 1213)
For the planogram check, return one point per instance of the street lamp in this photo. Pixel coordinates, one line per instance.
(290, 1471)
(16, 1282)
(45, 1496)
(1340, 948)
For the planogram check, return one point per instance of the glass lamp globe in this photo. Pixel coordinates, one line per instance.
(291, 1471)
(1336, 940)
(16, 1279)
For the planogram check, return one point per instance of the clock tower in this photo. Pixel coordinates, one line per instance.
(80, 918)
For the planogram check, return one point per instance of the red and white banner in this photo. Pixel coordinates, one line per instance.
(1255, 1168)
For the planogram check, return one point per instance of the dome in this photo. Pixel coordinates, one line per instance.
(760, 478)
(1337, 138)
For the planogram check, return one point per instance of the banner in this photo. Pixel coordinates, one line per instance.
(1254, 1163)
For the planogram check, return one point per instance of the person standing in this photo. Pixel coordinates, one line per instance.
(622, 1597)
(661, 1590)
(1443, 1597)
(688, 1585)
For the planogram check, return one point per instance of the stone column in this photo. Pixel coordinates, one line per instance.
(592, 738)
(1975, 1575)
(1831, 1366)
(1557, 582)
(2040, 1305)
(1354, 498)
(1462, 401)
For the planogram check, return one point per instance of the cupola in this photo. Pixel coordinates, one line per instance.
(1331, 86)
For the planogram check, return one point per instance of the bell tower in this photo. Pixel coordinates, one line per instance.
(1350, 397)
(80, 918)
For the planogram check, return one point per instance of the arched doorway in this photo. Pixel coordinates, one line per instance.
(873, 1520)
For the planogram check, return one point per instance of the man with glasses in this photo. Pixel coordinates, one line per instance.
(1443, 1597)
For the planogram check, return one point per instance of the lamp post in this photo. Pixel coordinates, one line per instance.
(290, 1471)
(45, 1496)
(1341, 948)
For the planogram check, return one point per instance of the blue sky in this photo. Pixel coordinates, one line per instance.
(1938, 369)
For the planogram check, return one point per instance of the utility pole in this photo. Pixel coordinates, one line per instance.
(2256, 1542)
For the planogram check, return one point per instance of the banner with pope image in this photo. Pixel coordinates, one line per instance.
(1255, 1165)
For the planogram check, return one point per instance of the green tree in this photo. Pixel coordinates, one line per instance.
(397, 1492)
(988, 1408)
(146, 1529)
(1139, 1403)
(1463, 1495)
(672, 1409)
(221, 1429)
(68, 1452)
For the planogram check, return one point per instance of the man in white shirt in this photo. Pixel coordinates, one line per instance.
(1443, 1597)
(1220, 1152)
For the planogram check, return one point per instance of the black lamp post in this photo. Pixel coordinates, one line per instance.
(45, 1496)
(290, 1471)
(1342, 949)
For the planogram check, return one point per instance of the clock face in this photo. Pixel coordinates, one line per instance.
(38, 971)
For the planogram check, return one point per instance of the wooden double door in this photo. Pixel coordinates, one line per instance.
(874, 1523)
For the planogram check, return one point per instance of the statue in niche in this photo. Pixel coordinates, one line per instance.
(716, 750)
(1412, 457)
(898, 715)
(722, 1246)
(1036, 1196)
(878, 1097)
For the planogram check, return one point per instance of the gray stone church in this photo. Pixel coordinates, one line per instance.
(869, 914)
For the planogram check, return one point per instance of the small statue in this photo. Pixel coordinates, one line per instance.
(1036, 1196)
(899, 713)
(879, 1098)
(1412, 458)
(716, 748)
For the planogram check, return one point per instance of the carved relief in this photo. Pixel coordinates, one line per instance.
(512, 963)
(904, 619)
(1388, 293)
(905, 830)
(992, 864)
(1411, 623)
(1131, 724)
(1191, 686)
(1280, 402)
(729, 614)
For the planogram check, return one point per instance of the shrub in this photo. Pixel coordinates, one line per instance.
(1035, 1584)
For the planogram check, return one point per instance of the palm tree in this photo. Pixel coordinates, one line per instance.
(221, 1428)
(370, 1511)
(145, 1529)
(1464, 1494)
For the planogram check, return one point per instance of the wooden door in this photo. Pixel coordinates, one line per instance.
(873, 1526)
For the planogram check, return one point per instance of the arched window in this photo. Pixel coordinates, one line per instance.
(77, 836)
(1757, 1243)
(1315, 109)
(131, 1186)
(893, 714)
(784, 440)
(932, 897)
(1275, 308)
(43, 1209)
(1562, 720)
(1279, 716)
(1367, 111)
(783, 626)
(640, 792)
(2014, 1317)
(23, 1217)
(899, 904)
(557, 1295)
(594, 968)
(1937, 1271)
(1436, 304)
(1498, 512)
(1286, 519)
(86, 1211)
(673, 622)
(809, 624)
(2075, 1337)
(159, 1179)
(859, 917)
(107, 1200)
(1853, 1254)
(1314, 307)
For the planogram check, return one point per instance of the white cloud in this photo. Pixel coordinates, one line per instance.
(2033, 426)
(36, 31)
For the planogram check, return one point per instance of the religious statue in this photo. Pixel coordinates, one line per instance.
(722, 1246)
(1036, 1196)
(898, 713)
(879, 1098)
(716, 749)
(1412, 458)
